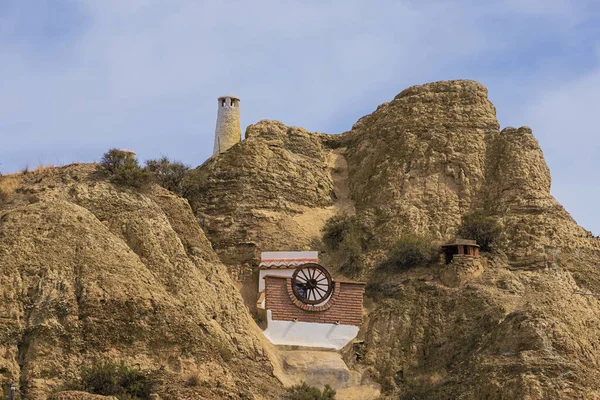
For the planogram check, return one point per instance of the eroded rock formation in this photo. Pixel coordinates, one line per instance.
(418, 164)
(93, 272)
(271, 191)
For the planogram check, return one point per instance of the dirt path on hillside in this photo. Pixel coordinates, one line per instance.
(312, 220)
(320, 367)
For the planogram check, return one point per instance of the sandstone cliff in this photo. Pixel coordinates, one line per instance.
(418, 164)
(537, 228)
(272, 191)
(91, 272)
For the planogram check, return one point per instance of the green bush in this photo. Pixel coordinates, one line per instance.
(350, 254)
(193, 184)
(409, 251)
(116, 379)
(481, 227)
(347, 237)
(306, 392)
(168, 174)
(335, 229)
(122, 168)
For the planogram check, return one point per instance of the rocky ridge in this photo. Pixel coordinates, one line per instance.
(418, 164)
(277, 180)
(94, 272)
(91, 271)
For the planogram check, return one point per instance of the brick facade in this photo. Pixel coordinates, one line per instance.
(344, 307)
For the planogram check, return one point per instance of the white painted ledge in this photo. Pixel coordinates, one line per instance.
(309, 334)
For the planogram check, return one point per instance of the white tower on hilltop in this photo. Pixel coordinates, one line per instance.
(228, 130)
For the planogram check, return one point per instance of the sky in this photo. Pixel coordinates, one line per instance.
(80, 77)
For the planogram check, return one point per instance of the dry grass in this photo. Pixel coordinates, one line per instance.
(224, 351)
(437, 378)
(43, 168)
(38, 170)
(8, 185)
(194, 379)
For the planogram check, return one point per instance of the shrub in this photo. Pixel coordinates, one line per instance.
(347, 237)
(168, 174)
(306, 392)
(409, 251)
(122, 168)
(483, 228)
(194, 379)
(350, 254)
(192, 184)
(336, 229)
(380, 290)
(116, 379)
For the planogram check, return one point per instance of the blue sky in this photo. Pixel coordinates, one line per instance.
(80, 77)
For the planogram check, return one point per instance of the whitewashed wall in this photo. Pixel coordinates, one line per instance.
(311, 334)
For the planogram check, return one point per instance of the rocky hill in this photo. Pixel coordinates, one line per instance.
(276, 174)
(435, 153)
(419, 163)
(92, 271)
(276, 181)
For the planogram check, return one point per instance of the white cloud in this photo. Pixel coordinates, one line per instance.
(564, 119)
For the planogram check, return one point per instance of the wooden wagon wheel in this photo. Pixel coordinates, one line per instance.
(311, 283)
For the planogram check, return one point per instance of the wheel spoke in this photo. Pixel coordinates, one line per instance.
(304, 273)
(312, 283)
